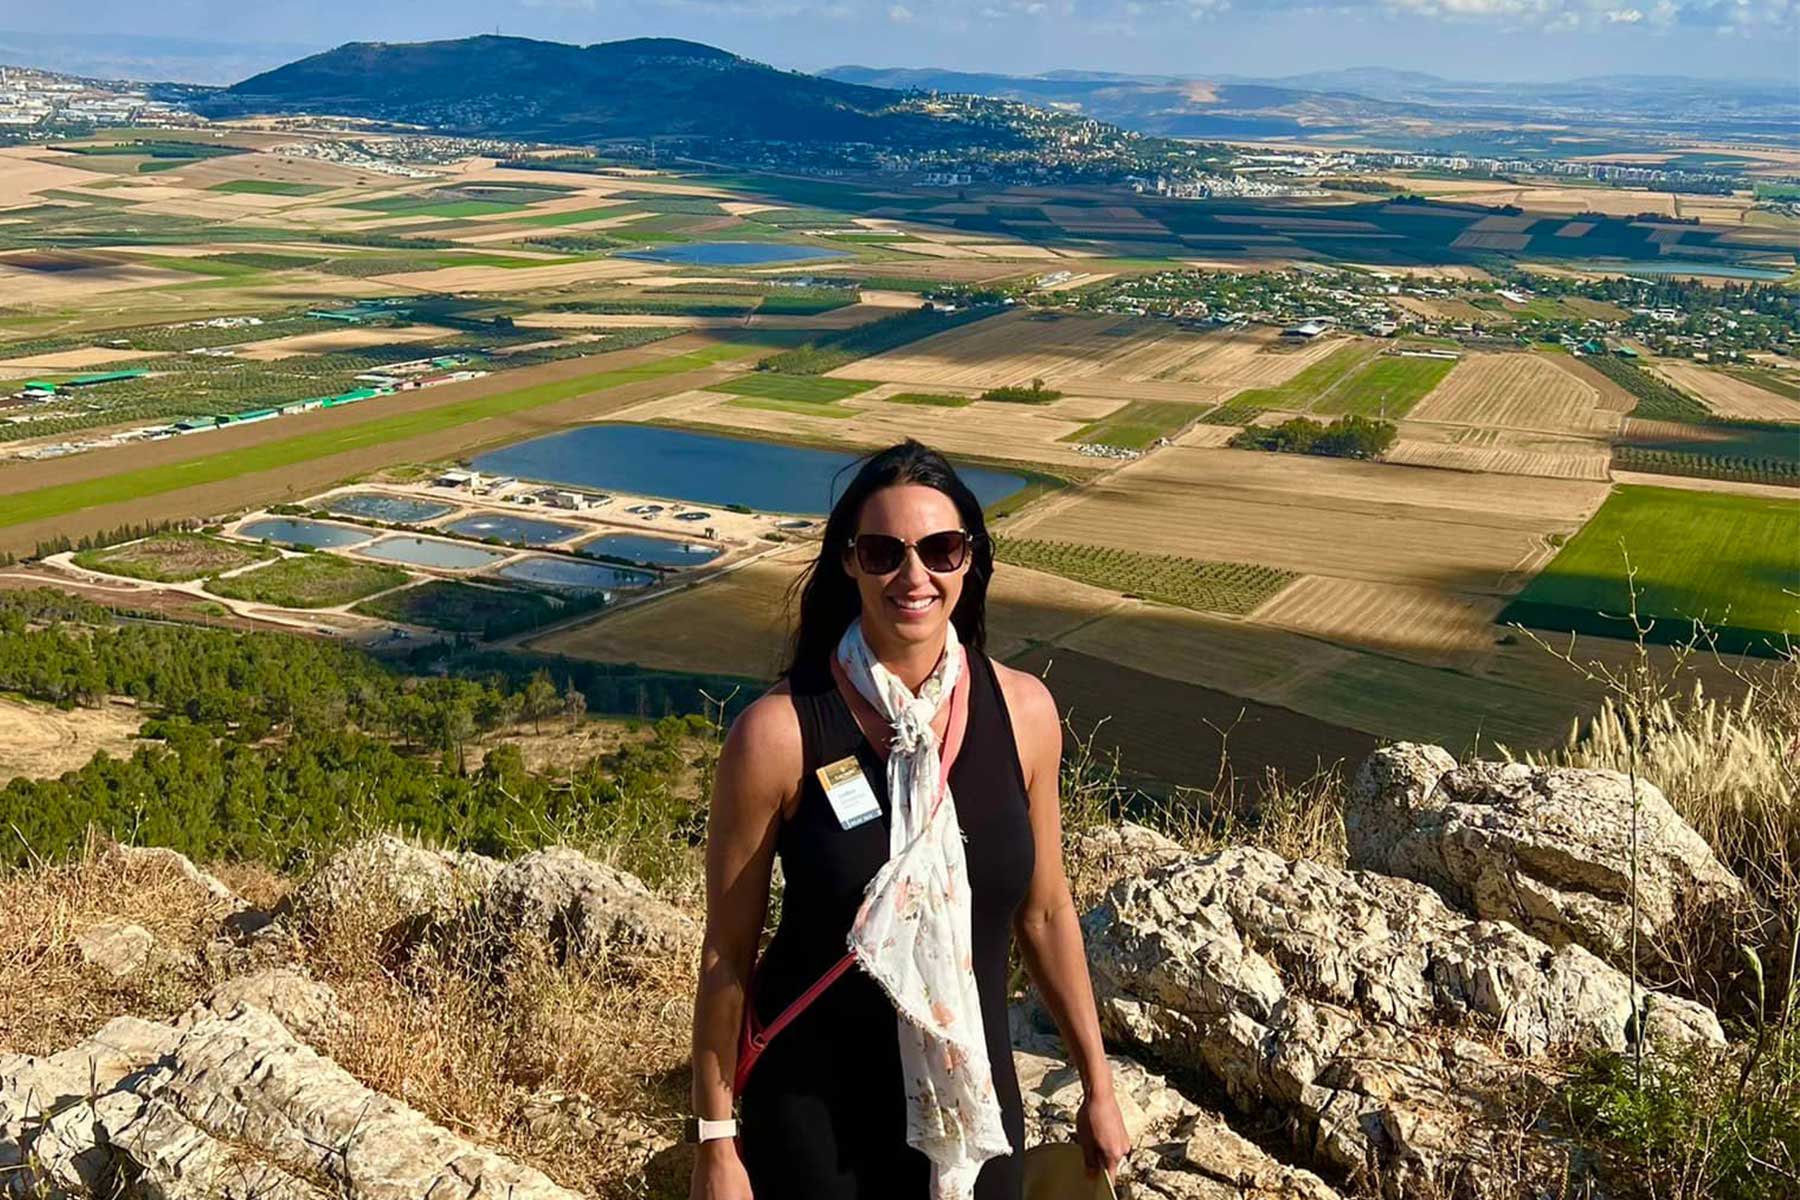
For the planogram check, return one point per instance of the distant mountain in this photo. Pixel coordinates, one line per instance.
(1397, 108)
(520, 87)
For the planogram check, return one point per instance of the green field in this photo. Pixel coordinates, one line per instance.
(1386, 388)
(21, 507)
(811, 389)
(1310, 385)
(575, 217)
(800, 408)
(268, 187)
(1221, 587)
(1732, 562)
(309, 581)
(1137, 425)
(172, 557)
(933, 399)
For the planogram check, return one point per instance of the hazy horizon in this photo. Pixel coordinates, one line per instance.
(204, 41)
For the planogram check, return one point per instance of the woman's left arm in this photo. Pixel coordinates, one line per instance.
(1048, 928)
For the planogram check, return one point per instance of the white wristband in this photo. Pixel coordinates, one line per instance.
(704, 1130)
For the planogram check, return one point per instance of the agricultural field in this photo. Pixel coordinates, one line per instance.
(1138, 424)
(1752, 452)
(1314, 384)
(1385, 389)
(38, 741)
(1221, 587)
(1732, 562)
(1519, 391)
(1356, 520)
(1500, 451)
(1728, 395)
(309, 581)
(173, 557)
(804, 388)
(1426, 624)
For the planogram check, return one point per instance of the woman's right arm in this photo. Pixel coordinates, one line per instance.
(758, 773)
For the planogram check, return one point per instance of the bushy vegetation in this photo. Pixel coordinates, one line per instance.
(1189, 582)
(173, 557)
(309, 581)
(1037, 393)
(829, 351)
(929, 399)
(1346, 437)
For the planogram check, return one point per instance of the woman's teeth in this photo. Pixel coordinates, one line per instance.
(915, 605)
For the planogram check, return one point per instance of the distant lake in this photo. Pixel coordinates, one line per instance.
(701, 468)
(733, 254)
(575, 576)
(523, 531)
(291, 532)
(1675, 267)
(429, 552)
(403, 510)
(650, 551)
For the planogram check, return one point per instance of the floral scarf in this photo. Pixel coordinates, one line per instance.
(912, 933)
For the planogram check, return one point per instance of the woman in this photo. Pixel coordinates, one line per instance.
(908, 785)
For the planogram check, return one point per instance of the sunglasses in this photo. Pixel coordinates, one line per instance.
(882, 553)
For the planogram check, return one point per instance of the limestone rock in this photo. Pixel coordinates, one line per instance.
(177, 863)
(1547, 849)
(245, 1080)
(119, 948)
(307, 1007)
(1180, 1151)
(394, 880)
(584, 909)
(171, 1158)
(1399, 1038)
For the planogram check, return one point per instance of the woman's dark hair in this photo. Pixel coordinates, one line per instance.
(829, 600)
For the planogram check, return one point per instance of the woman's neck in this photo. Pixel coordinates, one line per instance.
(910, 662)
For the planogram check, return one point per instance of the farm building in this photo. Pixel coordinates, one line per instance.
(1306, 330)
(104, 377)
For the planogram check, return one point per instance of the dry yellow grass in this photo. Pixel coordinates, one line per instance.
(1420, 623)
(24, 173)
(513, 279)
(41, 742)
(1517, 391)
(1725, 394)
(1356, 520)
(1500, 451)
(75, 360)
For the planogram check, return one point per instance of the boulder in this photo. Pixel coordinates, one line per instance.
(585, 910)
(176, 863)
(118, 948)
(307, 1007)
(393, 881)
(1545, 848)
(1180, 1151)
(1398, 1038)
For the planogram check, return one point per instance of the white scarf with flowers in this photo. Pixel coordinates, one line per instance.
(912, 933)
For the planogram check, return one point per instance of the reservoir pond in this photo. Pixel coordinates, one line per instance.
(650, 551)
(401, 510)
(521, 531)
(701, 468)
(427, 552)
(573, 576)
(290, 531)
(733, 254)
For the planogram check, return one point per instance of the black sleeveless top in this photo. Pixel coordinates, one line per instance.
(823, 1115)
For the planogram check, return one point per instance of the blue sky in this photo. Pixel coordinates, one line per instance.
(1471, 39)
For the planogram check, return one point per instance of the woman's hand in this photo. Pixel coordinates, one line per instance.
(718, 1172)
(1100, 1131)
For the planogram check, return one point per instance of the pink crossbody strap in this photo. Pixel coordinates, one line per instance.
(754, 1037)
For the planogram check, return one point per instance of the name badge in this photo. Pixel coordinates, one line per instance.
(852, 799)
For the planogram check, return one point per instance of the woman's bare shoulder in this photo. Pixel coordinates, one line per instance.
(1028, 701)
(766, 735)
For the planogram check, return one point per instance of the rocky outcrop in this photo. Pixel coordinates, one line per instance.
(1547, 849)
(231, 1107)
(584, 909)
(306, 1007)
(1180, 1151)
(1398, 1037)
(394, 880)
(119, 948)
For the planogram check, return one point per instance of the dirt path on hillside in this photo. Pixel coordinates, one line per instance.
(41, 742)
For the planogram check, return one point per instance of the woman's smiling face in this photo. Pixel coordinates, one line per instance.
(908, 605)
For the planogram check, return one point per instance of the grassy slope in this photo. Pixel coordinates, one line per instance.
(1712, 556)
(128, 485)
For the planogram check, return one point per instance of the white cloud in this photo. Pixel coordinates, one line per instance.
(899, 14)
(1624, 16)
